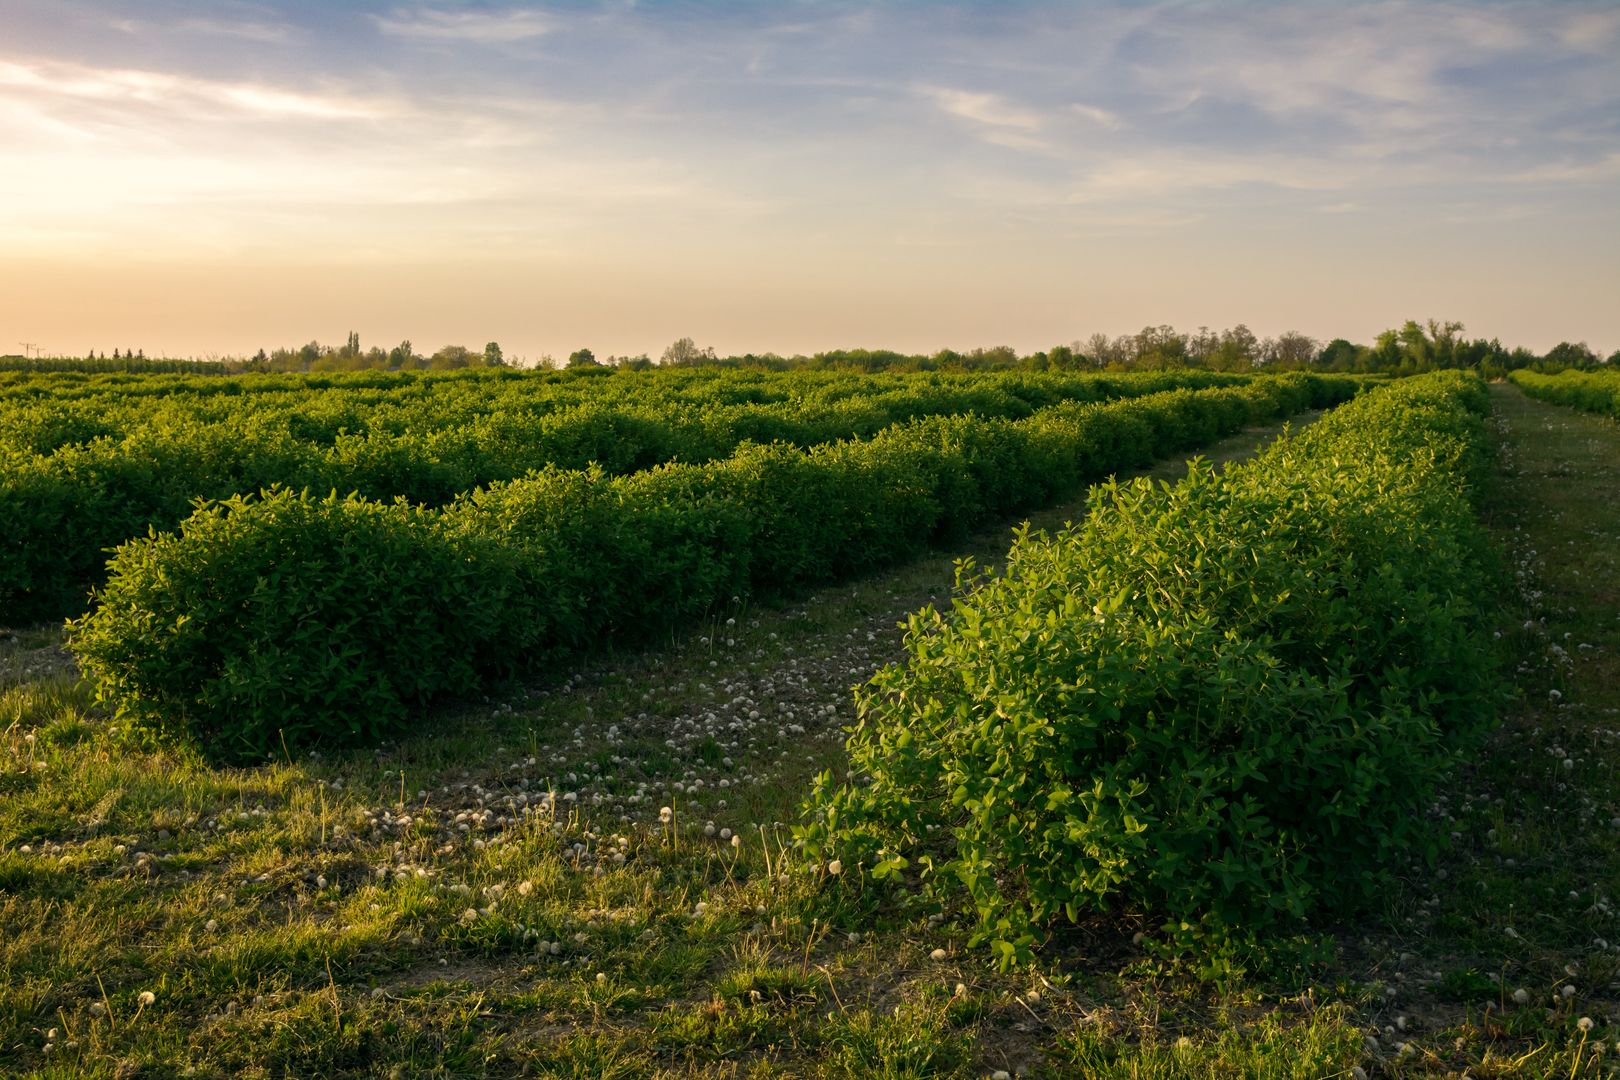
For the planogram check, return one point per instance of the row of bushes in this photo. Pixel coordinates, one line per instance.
(85, 474)
(1592, 391)
(331, 620)
(1226, 703)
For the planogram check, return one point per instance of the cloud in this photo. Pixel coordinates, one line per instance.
(42, 82)
(1158, 173)
(263, 32)
(477, 27)
(1591, 31)
(44, 86)
(994, 119)
(991, 110)
(1102, 118)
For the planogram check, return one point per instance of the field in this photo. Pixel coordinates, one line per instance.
(598, 726)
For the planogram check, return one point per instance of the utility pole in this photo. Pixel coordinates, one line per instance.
(29, 347)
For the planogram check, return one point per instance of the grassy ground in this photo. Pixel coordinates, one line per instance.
(1505, 959)
(584, 878)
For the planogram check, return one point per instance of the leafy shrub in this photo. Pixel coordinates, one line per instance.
(1227, 701)
(87, 462)
(1590, 391)
(383, 605)
(277, 621)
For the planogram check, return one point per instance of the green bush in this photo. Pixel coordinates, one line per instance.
(189, 627)
(87, 462)
(283, 620)
(1227, 701)
(1591, 391)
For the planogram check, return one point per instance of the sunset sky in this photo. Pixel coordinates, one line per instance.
(208, 178)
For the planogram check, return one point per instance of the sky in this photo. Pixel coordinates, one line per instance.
(210, 178)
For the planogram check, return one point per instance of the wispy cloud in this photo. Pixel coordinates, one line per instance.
(990, 110)
(264, 32)
(1590, 31)
(1103, 118)
(477, 27)
(43, 81)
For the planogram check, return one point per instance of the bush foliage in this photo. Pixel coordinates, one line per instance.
(1591, 391)
(1226, 702)
(87, 462)
(282, 616)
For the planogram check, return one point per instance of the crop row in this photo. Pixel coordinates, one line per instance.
(306, 619)
(1591, 391)
(81, 474)
(1225, 703)
(40, 413)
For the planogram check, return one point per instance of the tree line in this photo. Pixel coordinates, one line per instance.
(1413, 347)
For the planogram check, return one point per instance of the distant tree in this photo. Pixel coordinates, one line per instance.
(1416, 347)
(1567, 354)
(998, 356)
(1100, 348)
(1338, 355)
(401, 355)
(451, 357)
(1444, 337)
(1521, 357)
(1613, 358)
(1386, 351)
(141, 354)
(1480, 355)
(493, 357)
(1238, 350)
(582, 358)
(1412, 345)
(351, 347)
(1201, 347)
(1292, 350)
(1156, 347)
(685, 352)
(115, 354)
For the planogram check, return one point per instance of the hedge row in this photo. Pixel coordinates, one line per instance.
(330, 620)
(1226, 703)
(82, 474)
(1591, 391)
